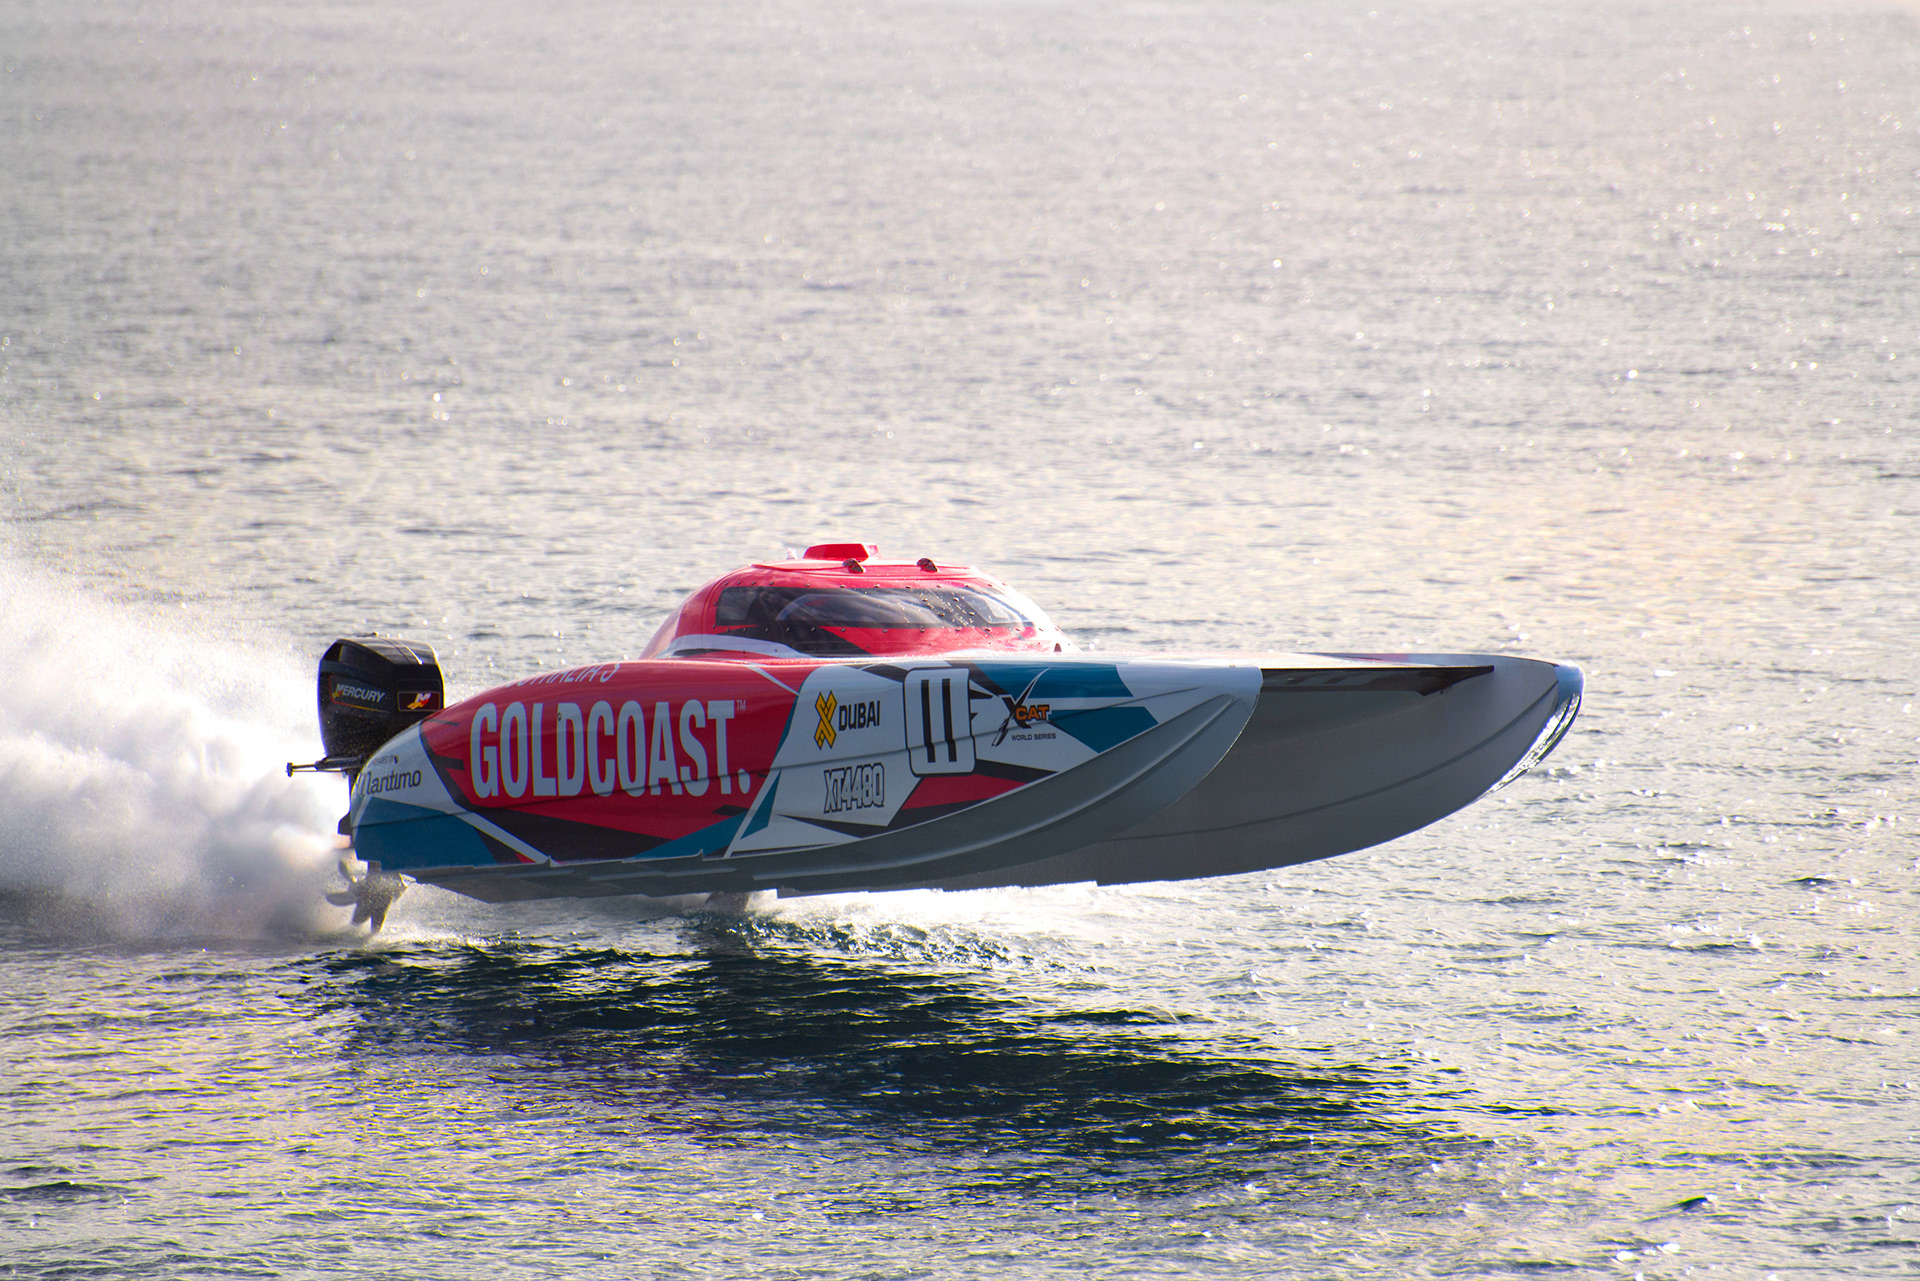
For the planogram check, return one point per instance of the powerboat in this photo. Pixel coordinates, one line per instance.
(838, 722)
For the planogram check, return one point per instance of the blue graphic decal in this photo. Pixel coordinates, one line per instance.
(764, 814)
(1104, 727)
(400, 836)
(711, 839)
(1069, 680)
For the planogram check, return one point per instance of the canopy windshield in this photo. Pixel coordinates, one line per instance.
(800, 616)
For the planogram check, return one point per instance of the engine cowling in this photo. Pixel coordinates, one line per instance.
(369, 688)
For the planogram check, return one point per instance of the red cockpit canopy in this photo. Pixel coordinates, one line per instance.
(839, 600)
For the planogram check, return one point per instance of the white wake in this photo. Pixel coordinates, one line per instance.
(142, 783)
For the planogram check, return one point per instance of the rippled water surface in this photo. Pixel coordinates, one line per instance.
(1583, 332)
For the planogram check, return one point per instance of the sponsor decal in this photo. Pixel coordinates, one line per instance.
(398, 780)
(1022, 713)
(1025, 714)
(601, 673)
(826, 705)
(424, 700)
(563, 749)
(856, 787)
(354, 694)
(861, 715)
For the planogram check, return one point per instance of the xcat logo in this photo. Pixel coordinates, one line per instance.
(1025, 714)
(826, 704)
(1021, 713)
(418, 701)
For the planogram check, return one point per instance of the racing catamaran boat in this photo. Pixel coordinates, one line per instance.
(839, 722)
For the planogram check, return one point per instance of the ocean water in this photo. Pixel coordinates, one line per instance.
(1587, 332)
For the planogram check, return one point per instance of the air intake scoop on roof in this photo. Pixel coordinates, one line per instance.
(841, 551)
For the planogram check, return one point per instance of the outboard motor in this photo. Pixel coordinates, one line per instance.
(369, 689)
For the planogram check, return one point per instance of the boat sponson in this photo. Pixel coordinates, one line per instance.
(1348, 768)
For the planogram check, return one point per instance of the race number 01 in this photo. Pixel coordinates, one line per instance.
(939, 721)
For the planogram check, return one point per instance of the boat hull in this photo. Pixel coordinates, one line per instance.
(1322, 770)
(962, 772)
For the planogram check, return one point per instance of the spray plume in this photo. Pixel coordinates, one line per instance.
(142, 790)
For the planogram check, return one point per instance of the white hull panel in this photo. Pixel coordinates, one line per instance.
(1320, 773)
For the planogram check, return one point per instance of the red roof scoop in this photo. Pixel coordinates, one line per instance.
(841, 551)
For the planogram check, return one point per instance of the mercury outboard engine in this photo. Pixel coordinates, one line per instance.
(368, 689)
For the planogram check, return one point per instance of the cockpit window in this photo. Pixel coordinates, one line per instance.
(797, 616)
(883, 607)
